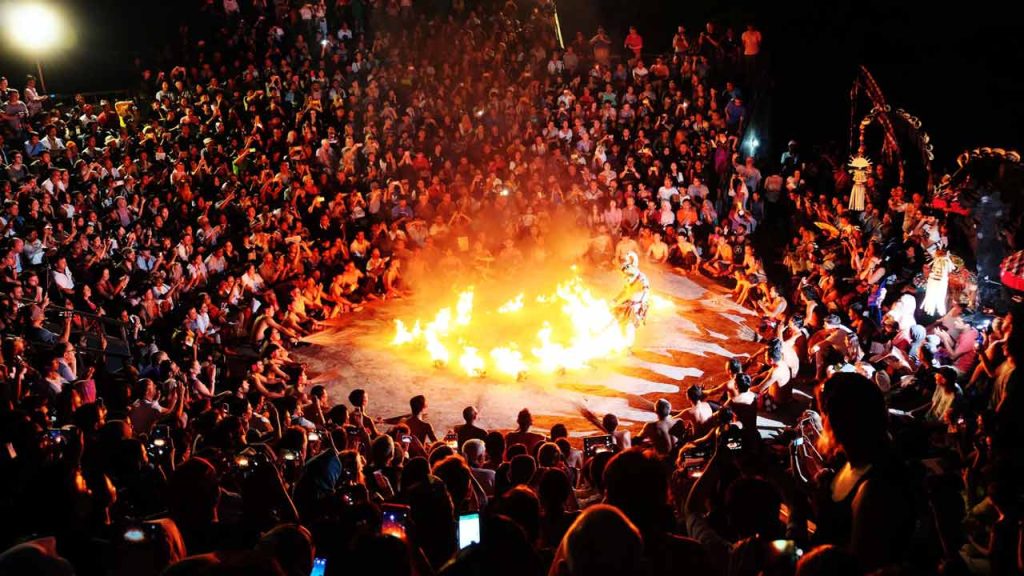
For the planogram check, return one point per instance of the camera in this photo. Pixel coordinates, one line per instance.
(349, 494)
(140, 532)
(248, 461)
(596, 444)
(55, 436)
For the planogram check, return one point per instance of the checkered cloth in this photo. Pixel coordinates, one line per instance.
(1012, 271)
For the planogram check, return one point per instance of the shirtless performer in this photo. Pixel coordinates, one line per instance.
(664, 433)
(773, 383)
(631, 304)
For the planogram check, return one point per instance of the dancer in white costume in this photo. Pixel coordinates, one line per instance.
(860, 168)
(934, 302)
(631, 304)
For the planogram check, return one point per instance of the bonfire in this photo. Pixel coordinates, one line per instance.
(562, 330)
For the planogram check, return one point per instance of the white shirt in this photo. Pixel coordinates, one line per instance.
(253, 283)
(184, 251)
(201, 323)
(32, 100)
(161, 290)
(49, 186)
(64, 279)
(57, 143)
(200, 271)
(34, 252)
(215, 264)
(666, 192)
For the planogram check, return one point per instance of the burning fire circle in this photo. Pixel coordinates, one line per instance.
(528, 334)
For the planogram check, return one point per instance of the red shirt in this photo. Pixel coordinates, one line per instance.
(420, 163)
(634, 42)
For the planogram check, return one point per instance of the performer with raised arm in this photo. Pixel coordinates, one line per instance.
(632, 302)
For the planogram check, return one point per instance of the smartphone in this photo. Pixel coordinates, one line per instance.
(699, 452)
(452, 441)
(595, 444)
(406, 439)
(784, 550)
(348, 474)
(734, 443)
(319, 567)
(134, 534)
(394, 520)
(469, 529)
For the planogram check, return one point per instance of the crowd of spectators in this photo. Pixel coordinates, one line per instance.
(163, 256)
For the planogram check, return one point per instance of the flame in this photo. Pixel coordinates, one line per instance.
(437, 328)
(404, 336)
(471, 362)
(514, 305)
(660, 303)
(575, 328)
(550, 355)
(464, 309)
(438, 353)
(509, 361)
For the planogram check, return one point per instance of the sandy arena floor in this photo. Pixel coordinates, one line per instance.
(685, 344)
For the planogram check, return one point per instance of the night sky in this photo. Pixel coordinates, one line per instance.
(958, 70)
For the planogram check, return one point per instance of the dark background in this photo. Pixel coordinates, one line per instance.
(107, 36)
(956, 67)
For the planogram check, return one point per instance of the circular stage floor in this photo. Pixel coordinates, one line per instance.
(680, 345)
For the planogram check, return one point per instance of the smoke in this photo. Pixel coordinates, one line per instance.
(497, 272)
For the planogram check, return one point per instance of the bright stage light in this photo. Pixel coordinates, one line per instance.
(753, 143)
(33, 27)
